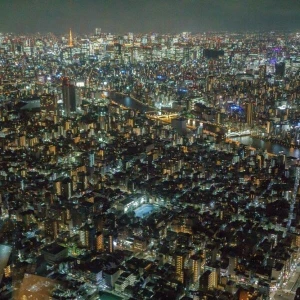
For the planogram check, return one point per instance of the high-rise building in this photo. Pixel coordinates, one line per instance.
(214, 275)
(98, 31)
(69, 96)
(179, 265)
(87, 237)
(108, 242)
(204, 281)
(67, 188)
(99, 241)
(280, 69)
(208, 280)
(196, 267)
(91, 159)
(232, 264)
(82, 180)
(118, 52)
(249, 113)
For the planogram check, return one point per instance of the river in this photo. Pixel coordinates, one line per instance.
(246, 140)
(267, 145)
(128, 101)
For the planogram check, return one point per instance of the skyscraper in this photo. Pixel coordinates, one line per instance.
(69, 96)
(280, 69)
(179, 265)
(249, 113)
(97, 31)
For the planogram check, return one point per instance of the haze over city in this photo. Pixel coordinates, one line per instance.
(167, 16)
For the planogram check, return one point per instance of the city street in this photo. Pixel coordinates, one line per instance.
(283, 296)
(289, 289)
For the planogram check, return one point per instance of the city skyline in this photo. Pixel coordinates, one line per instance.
(150, 166)
(148, 16)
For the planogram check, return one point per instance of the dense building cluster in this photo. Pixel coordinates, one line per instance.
(149, 198)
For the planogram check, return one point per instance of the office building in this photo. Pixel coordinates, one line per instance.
(69, 97)
(249, 114)
(280, 69)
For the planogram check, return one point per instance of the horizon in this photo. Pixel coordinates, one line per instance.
(156, 32)
(31, 16)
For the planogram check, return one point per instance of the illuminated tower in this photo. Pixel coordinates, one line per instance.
(70, 39)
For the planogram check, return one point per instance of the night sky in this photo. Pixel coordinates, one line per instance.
(165, 16)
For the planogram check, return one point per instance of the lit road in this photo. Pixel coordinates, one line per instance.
(287, 292)
(281, 295)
